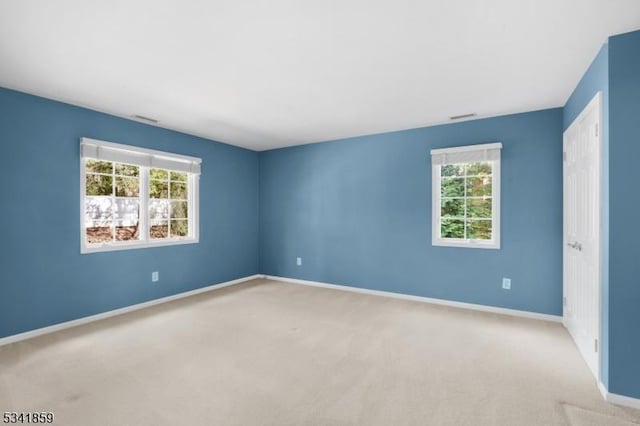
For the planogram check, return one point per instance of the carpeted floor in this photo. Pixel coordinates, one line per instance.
(271, 353)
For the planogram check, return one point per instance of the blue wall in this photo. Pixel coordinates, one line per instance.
(358, 211)
(596, 79)
(45, 280)
(624, 262)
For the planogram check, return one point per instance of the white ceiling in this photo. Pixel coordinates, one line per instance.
(274, 73)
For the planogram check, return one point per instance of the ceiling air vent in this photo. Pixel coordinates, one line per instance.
(147, 119)
(460, 117)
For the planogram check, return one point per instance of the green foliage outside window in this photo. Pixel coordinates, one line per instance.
(169, 207)
(466, 201)
(452, 228)
(94, 166)
(101, 175)
(452, 187)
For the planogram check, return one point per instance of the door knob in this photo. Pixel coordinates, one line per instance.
(575, 245)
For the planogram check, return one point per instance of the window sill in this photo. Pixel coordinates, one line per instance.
(86, 249)
(473, 244)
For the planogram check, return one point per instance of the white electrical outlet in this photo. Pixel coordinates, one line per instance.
(506, 283)
(299, 261)
(155, 276)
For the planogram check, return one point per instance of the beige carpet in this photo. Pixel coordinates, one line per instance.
(271, 353)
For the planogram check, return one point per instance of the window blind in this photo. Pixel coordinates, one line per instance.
(466, 154)
(108, 151)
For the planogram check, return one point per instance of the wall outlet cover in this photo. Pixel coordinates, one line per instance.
(155, 276)
(506, 283)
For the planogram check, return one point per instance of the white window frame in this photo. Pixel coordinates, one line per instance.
(145, 159)
(490, 152)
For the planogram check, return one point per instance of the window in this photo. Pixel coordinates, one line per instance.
(133, 197)
(112, 202)
(168, 204)
(466, 196)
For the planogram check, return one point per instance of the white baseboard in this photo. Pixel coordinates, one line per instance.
(603, 390)
(625, 401)
(84, 320)
(484, 308)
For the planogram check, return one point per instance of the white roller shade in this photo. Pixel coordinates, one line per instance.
(466, 154)
(108, 151)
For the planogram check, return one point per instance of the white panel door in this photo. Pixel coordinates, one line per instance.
(582, 246)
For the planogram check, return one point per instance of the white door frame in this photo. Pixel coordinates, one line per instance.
(595, 102)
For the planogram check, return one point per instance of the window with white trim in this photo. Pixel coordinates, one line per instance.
(466, 196)
(134, 197)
